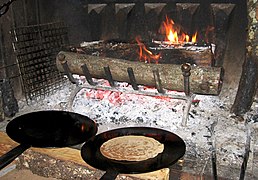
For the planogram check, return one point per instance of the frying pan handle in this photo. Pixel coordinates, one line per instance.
(12, 154)
(109, 175)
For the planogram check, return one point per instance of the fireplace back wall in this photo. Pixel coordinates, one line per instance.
(122, 20)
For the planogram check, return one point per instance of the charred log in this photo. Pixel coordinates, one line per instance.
(249, 78)
(247, 86)
(203, 80)
(203, 56)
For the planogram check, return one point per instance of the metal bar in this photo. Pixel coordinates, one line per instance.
(37, 12)
(132, 78)
(140, 91)
(61, 58)
(158, 81)
(7, 66)
(101, 85)
(24, 4)
(187, 109)
(87, 75)
(186, 68)
(214, 164)
(67, 72)
(246, 155)
(212, 137)
(109, 76)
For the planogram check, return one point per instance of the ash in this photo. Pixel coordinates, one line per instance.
(114, 110)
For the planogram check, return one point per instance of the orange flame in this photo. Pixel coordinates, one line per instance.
(194, 38)
(145, 54)
(174, 33)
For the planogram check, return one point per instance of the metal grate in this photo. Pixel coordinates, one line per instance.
(36, 48)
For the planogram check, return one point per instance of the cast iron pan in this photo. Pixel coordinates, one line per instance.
(47, 129)
(174, 149)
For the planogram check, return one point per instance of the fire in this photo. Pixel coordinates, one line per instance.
(194, 38)
(145, 54)
(174, 33)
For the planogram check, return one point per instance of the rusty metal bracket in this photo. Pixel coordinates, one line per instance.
(109, 76)
(87, 75)
(158, 81)
(188, 97)
(132, 78)
(61, 58)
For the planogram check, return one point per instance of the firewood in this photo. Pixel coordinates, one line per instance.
(201, 56)
(203, 80)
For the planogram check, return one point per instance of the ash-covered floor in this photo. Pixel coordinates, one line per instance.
(23, 175)
(210, 126)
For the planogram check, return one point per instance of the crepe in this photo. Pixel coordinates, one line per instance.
(131, 148)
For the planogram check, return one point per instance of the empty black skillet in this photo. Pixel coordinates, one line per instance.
(174, 149)
(47, 129)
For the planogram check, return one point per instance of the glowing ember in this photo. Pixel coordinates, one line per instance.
(174, 33)
(145, 54)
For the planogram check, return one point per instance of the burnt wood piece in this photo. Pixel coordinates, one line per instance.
(180, 56)
(203, 80)
(128, 51)
(249, 79)
(247, 86)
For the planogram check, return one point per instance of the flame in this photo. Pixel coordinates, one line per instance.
(145, 54)
(174, 33)
(194, 37)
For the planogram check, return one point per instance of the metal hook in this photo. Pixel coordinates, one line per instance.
(61, 58)
(87, 74)
(158, 81)
(132, 78)
(109, 76)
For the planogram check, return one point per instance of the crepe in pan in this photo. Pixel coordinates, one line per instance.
(131, 148)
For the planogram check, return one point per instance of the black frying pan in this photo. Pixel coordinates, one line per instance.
(47, 129)
(174, 149)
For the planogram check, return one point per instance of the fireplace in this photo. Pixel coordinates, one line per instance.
(218, 23)
(42, 43)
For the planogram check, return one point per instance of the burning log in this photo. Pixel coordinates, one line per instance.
(169, 53)
(201, 57)
(203, 80)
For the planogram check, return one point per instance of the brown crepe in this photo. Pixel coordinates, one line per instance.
(131, 148)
